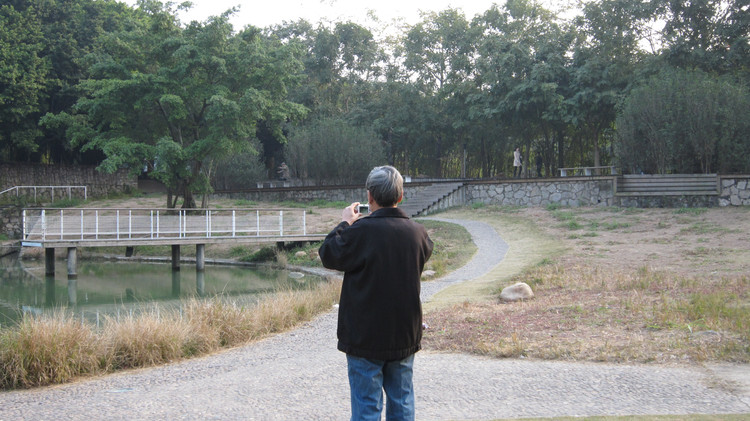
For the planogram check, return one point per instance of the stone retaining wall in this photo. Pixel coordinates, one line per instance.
(347, 194)
(97, 183)
(735, 190)
(569, 191)
(11, 221)
(588, 191)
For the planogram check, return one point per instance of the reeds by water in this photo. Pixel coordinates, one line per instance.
(44, 350)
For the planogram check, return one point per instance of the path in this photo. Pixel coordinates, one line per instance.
(299, 375)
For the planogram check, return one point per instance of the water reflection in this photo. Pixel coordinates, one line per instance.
(112, 286)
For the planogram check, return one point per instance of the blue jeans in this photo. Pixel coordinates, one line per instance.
(368, 378)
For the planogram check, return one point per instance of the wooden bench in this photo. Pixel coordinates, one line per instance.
(667, 185)
(586, 170)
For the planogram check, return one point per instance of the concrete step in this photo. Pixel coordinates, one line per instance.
(428, 197)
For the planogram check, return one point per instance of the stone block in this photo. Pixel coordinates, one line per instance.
(517, 292)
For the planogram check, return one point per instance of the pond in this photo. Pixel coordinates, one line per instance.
(110, 287)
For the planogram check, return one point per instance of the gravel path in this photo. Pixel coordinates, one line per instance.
(299, 375)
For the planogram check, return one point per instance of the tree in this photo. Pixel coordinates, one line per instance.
(332, 151)
(439, 51)
(182, 99)
(66, 31)
(605, 57)
(23, 72)
(521, 68)
(684, 121)
(713, 35)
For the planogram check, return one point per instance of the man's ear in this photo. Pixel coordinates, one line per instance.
(400, 198)
(370, 200)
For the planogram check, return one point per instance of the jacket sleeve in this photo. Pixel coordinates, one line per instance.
(339, 249)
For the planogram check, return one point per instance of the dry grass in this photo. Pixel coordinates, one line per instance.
(46, 351)
(50, 350)
(609, 298)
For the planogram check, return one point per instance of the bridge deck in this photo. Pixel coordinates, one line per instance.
(90, 227)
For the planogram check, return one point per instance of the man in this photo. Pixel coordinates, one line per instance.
(517, 163)
(382, 256)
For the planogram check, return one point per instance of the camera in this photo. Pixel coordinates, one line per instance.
(363, 209)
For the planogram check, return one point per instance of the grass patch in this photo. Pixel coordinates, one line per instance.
(590, 306)
(702, 227)
(321, 203)
(690, 211)
(67, 203)
(701, 417)
(244, 203)
(265, 254)
(598, 314)
(452, 246)
(305, 256)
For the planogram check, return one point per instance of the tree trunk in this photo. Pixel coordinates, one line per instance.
(189, 202)
(597, 158)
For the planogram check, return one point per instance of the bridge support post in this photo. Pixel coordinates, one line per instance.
(49, 262)
(176, 284)
(72, 263)
(72, 276)
(200, 257)
(200, 283)
(175, 257)
(49, 290)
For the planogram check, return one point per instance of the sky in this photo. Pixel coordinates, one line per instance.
(264, 13)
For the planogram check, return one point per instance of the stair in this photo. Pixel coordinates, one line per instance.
(667, 185)
(431, 195)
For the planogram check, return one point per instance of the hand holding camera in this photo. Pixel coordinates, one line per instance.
(354, 211)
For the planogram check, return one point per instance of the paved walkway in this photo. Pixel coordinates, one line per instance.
(300, 376)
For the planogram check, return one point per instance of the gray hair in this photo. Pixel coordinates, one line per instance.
(386, 185)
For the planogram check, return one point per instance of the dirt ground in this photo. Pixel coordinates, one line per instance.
(624, 285)
(691, 242)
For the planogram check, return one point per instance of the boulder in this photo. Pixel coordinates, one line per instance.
(428, 274)
(517, 292)
(300, 254)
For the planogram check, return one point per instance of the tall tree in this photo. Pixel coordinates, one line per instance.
(685, 121)
(23, 72)
(182, 99)
(713, 35)
(522, 65)
(439, 53)
(605, 56)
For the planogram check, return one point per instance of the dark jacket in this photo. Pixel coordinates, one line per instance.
(382, 257)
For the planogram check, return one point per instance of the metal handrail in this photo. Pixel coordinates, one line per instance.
(52, 190)
(74, 224)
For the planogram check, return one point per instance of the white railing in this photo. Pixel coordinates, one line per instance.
(35, 190)
(73, 224)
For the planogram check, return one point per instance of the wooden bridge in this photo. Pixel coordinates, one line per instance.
(105, 227)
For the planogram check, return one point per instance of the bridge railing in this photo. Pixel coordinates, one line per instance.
(70, 224)
(36, 191)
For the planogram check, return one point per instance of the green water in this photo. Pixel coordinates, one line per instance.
(117, 287)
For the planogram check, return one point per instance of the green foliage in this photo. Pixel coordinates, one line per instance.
(321, 203)
(333, 151)
(265, 254)
(182, 100)
(202, 106)
(685, 122)
(67, 203)
(23, 72)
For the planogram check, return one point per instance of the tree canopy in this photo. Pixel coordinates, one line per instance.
(99, 82)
